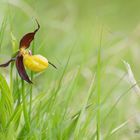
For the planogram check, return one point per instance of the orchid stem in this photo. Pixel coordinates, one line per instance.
(27, 124)
(30, 105)
(31, 89)
(19, 96)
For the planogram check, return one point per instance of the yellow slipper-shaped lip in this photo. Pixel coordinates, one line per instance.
(36, 63)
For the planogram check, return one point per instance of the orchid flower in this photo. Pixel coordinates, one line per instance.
(24, 57)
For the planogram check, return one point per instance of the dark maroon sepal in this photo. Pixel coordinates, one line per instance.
(21, 69)
(28, 38)
(7, 63)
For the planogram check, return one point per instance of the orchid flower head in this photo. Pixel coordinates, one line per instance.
(24, 58)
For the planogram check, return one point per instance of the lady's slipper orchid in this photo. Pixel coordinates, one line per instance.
(36, 63)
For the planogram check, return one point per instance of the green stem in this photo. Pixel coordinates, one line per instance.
(27, 123)
(30, 105)
(99, 90)
(98, 101)
(31, 89)
(11, 78)
(19, 95)
(98, 104)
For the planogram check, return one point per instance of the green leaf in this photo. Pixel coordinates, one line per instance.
(6, 102)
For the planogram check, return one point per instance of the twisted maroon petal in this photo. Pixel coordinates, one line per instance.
(28, 38)
(21, 69)
(7, 63)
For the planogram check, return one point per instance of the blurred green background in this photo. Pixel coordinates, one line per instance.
(77, 25)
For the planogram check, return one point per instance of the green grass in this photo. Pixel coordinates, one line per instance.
(92, 95)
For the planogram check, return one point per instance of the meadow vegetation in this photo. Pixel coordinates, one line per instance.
(94, 93)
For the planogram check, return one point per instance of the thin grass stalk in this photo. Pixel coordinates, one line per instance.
(2, 30)
(53, 98)
(26, 118)
(99, 89)
(118, 100)
(81, 113)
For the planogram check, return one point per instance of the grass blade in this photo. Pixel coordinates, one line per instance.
(77, 129)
